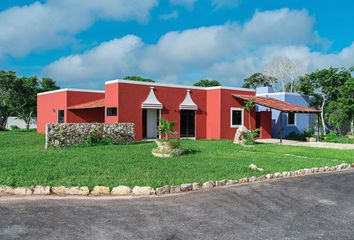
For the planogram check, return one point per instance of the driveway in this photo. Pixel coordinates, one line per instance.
(310, 207)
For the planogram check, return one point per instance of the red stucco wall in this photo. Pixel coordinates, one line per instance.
(85, 115)
(47, 106)
(265, 118)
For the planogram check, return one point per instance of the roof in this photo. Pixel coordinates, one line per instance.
(276, 104)
(71, 90)
(87, 105)
(178, 86)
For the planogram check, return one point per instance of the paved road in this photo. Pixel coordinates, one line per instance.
(311, 207)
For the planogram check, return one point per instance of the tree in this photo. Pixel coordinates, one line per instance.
(258, 80)
(47, 84)
(284, 69)
(207, 83)
(347, 100)
(24, 98)
(249, 105)
(326, 86)
(7, 79)
(138, 78)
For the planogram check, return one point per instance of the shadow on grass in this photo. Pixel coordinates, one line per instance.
(190, 151)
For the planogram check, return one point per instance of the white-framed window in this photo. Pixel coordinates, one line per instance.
(291, 118)
(236, 117)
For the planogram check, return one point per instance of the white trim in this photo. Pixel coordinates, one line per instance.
(287, 120)
(176, 85)
(242, 117)
(71, 90)
(279, 93)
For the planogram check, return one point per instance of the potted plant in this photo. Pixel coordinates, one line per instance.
(166, 147)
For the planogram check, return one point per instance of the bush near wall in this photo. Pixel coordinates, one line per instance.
(71, 134)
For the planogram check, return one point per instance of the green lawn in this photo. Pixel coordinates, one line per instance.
(25, 162)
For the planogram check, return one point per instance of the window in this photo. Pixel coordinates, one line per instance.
(291, 118)
(112, 111)
(236, 115)
(60, 116)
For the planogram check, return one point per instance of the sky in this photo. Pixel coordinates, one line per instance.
(82, 44)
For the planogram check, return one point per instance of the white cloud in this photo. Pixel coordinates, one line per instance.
(217, 4)
(172, 15)
(41, 26)
(228, 52)
(189, 4)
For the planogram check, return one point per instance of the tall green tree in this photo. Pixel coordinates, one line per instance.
(7, 79)
(207, 83)
(138, 78)
(326, 87)
(47, 84)
(258, 80)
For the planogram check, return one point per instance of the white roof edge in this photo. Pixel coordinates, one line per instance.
(280, 93)
(176, 85)
(71, 90)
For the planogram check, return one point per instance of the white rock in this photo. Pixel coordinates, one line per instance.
(276, 175)
(261, 178)
(240, 135)
(175, 189)
(252, 179)
(5, 190)
(252, 166)
(243, 180)
(81, 191)
(61, 190)
(269, 176)
(100, 191)
(231, 182)
(163, 190)
(196, 186)
(41, 190)
(220, 183)
(121, 191)
(143, 190)
(186, 187)
(208, 185)
(22, 191)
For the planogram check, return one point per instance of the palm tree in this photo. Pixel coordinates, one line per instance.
(166, 128)
(249, 105)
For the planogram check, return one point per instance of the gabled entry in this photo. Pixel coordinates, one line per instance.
(187, 116)
(151, 115)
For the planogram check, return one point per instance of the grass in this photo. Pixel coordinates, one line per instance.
(25, 162)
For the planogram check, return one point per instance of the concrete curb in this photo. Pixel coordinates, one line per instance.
(124, 192)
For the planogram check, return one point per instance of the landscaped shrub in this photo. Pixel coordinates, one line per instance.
(251, 136)
(14, 127)
(334, 138)
(300, 137)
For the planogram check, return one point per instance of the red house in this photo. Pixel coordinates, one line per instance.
(199, 113)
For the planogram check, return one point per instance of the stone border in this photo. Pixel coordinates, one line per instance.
(167, 189)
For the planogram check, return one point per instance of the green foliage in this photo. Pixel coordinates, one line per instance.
(14, 127)
(25, 162)
(251, 136)
(207, 83)
(333, 91)
(302, 136)
(166, 128)
(96, 138)
(258, 80)
(334, 138)
(18, 96)
(138, 78)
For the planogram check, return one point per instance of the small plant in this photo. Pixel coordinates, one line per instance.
(96, 138)
(300, 136)
(14, 127)
(166, 128)
(251, 136)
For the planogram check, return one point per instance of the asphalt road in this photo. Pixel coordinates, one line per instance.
(310, 207)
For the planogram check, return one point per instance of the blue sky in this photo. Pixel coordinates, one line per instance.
(174, 41)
